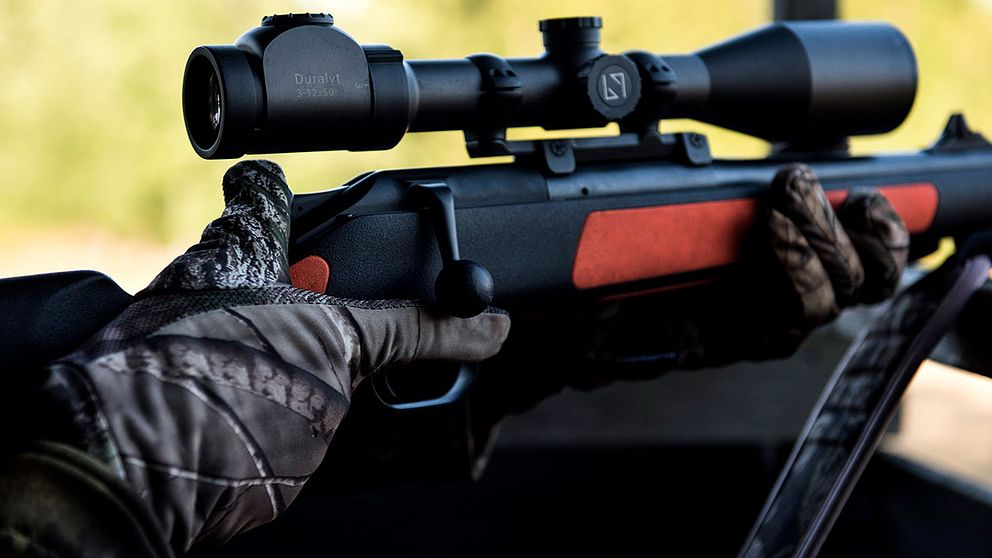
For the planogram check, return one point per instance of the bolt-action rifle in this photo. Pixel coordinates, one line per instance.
(570, 218)
(575, 219)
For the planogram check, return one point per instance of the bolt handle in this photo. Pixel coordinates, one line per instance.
(463, 288)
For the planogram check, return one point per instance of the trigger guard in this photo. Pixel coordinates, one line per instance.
(386, 395)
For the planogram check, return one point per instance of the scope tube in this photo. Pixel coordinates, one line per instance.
(301, 84)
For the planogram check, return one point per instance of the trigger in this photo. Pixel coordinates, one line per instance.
(404, 389)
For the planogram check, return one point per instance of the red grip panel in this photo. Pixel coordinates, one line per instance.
(623, 245)
(915, 203)
(310, 273)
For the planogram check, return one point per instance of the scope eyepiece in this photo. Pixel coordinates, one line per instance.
(299, 83)
(222, 101)
(295, 83)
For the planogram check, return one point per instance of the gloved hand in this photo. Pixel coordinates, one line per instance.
(215, 395)
(809, 262)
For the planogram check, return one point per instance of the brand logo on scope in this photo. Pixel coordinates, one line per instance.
(613, 85)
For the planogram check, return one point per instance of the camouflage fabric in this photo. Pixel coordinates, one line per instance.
(834, 260)
(61, 502)
(215, 395)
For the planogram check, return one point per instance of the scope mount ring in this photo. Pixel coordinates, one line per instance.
(502, 91)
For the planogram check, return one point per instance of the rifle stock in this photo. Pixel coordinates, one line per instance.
(608, 228)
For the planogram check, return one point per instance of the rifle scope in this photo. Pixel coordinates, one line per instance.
(299, 83)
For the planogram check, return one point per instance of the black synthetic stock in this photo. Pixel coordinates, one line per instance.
(304, 85)
(43, 317)
(524, 226)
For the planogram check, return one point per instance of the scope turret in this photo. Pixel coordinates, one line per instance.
(299, 83)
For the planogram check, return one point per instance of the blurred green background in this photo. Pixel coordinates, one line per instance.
(98, 173)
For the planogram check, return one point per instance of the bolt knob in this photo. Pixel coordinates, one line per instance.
(463, 288)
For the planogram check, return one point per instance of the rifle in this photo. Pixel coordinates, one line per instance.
(570, 218)
(579, 219)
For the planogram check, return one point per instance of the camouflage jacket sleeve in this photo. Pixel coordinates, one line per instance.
(216, 394)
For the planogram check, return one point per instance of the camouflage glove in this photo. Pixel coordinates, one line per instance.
(809, 264)
(216, 394)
